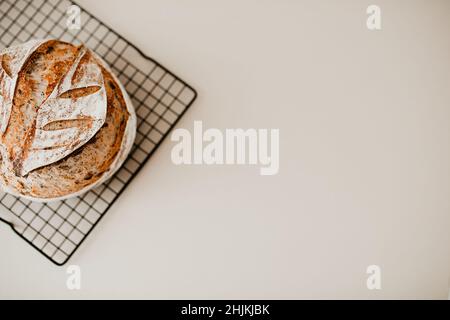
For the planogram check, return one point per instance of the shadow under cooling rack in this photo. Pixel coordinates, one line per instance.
(160, 98)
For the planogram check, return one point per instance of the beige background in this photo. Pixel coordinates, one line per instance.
(364, 119)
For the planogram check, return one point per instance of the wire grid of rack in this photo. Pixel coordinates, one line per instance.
(160, 98)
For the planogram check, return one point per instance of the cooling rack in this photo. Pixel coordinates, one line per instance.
(160, 98)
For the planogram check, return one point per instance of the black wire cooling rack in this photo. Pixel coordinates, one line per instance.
(57, 229)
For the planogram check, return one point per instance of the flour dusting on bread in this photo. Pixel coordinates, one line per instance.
(66, 122)
(11, 61)
(71, 102)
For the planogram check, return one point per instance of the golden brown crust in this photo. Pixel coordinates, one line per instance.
(86, 165)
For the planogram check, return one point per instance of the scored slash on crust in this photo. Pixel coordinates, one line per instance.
(6, 84)
(77, 108)
(9, 73)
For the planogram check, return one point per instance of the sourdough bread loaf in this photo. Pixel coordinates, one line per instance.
(66, 122)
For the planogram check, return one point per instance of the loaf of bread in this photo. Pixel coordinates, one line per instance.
(66, 122)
